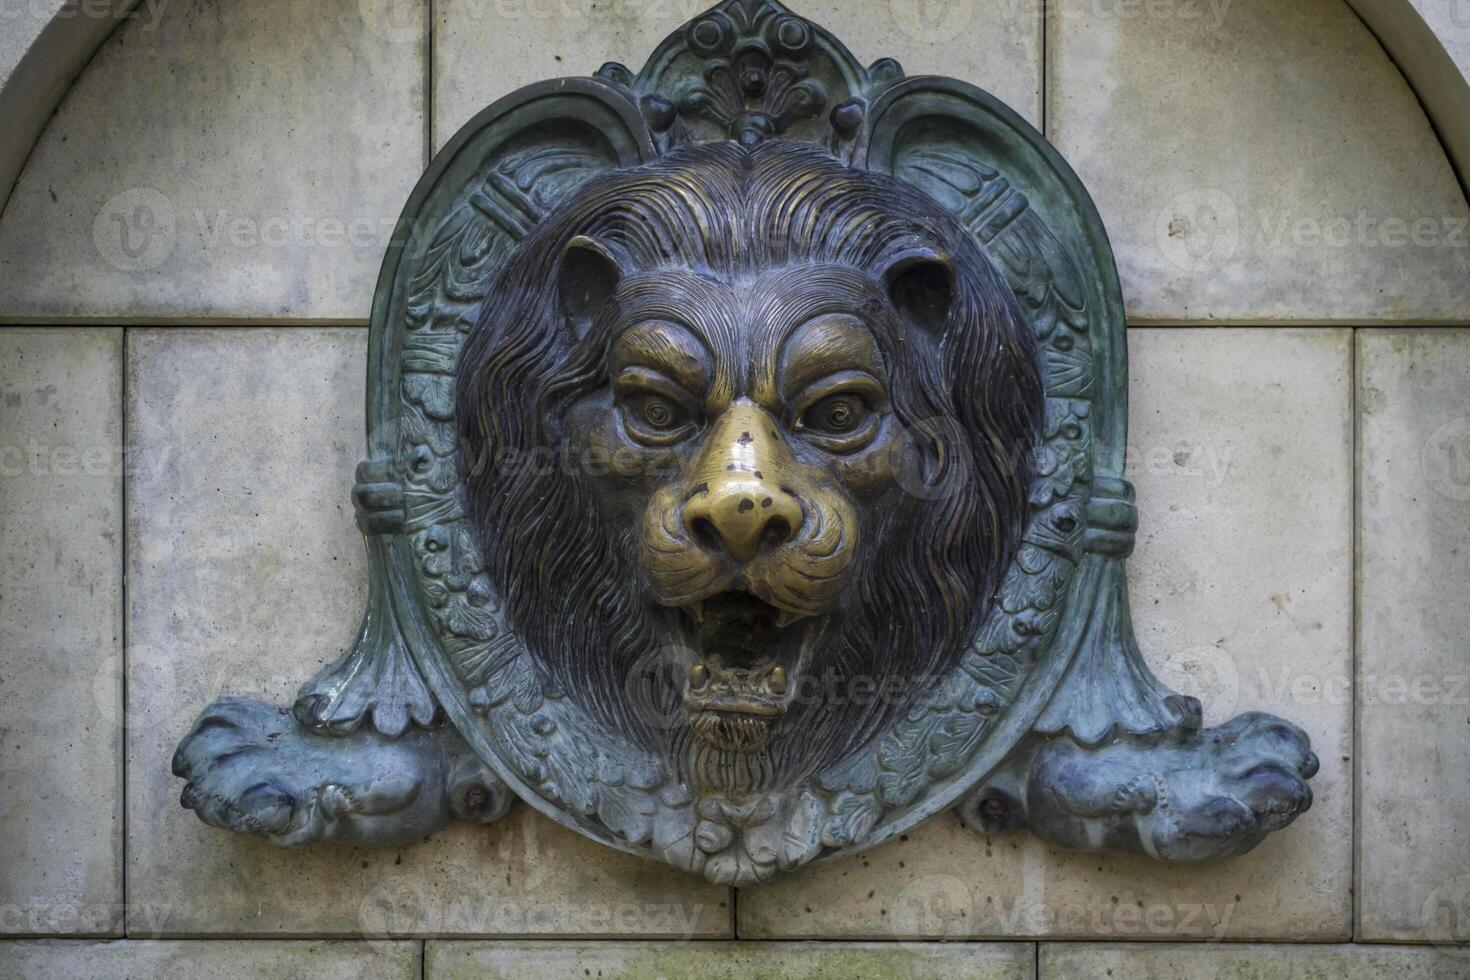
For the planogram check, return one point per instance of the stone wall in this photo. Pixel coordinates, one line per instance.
(186, 267)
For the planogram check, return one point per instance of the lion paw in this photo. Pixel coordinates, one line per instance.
(1193, 797)
(251, 768)
(1230, 787)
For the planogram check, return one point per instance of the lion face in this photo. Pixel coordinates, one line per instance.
(761, 423)
(755, 446)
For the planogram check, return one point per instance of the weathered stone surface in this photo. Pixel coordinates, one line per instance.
(1241, 591)
(213, 960)
(728, 960)
(44, 45)
(1228, 961)
(24, 80)
(61, 631)
(1413, 685)
(536, 40)
(246, 574)
(1257, 162)
(223, 160)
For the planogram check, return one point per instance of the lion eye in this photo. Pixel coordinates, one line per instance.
(660, 413)
(656, 419)
(837, 414)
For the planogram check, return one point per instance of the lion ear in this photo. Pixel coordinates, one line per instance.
(920, 284)
(586, 279)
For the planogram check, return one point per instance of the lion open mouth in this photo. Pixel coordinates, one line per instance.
(749, 653)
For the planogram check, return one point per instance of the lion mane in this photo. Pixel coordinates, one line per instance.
(972, 400)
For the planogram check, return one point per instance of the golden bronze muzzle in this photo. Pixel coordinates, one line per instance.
(741, 498)
(753, 546)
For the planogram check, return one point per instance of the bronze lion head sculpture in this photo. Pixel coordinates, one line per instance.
(745, 486)
(746, 436)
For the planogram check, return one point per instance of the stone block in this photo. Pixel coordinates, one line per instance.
(212, 960)
(1229, 961)
(61, 691)
(536, 39)
(1257, 162)
(1413, 684)
(1241, 592)
(728, 960)
(246, 575)
(224, 161)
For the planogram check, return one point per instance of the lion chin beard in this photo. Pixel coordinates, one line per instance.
(731, 732)
(739, 688)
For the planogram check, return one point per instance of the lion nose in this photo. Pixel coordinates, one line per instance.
(740, 501)
(743, 516)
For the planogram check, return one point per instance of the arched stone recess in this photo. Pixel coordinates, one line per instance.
(67, 258)
(47, 44)
(1429, 40)
(44, 47)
